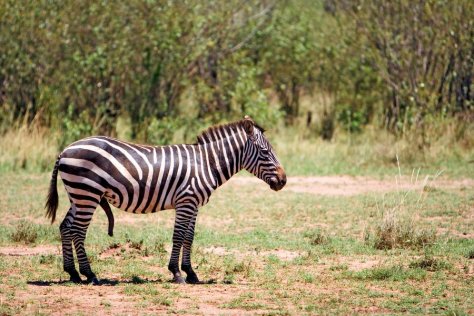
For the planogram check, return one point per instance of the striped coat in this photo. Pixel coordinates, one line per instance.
(145, 179)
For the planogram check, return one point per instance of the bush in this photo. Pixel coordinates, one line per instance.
(25, 232)
(394, 232)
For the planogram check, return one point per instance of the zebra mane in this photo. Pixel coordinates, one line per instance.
(212, 133)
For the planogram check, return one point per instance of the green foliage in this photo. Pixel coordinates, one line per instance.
(422, 51)
(75, 129)
(166, 66)
(161, 132)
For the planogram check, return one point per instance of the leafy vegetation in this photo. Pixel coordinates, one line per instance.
(156, 70)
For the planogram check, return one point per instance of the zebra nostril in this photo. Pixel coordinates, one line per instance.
(283, 181)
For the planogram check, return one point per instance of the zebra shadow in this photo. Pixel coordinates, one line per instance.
(112, 282)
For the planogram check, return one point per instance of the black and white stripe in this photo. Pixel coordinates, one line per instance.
(145, 179)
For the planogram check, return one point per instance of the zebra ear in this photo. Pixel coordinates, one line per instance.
(248, 125)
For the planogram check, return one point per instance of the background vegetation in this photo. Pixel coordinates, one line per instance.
(160, 71)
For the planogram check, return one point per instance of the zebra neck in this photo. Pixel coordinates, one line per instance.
(225, 158)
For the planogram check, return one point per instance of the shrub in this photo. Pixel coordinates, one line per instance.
(26, 232)
(394, 231)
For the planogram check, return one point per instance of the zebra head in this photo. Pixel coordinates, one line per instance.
(260, 158)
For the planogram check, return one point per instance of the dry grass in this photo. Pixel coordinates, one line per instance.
(29, 148)
(397, 226)
(25, 232)
(395, 231)
(302, 151)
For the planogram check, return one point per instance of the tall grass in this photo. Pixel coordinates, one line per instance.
(372, 152)
(29, 148)
(396, 226)
(301, 150)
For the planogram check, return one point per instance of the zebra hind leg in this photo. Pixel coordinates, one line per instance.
(191, 276)
(78, 231)
(182, 221)
(66, 240)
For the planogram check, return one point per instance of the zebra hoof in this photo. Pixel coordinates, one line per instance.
(93, 281)
(75, 279)
(74, 276)
(178, 279)
(192, 279)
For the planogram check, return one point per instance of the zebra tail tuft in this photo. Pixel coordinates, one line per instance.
(52, 201)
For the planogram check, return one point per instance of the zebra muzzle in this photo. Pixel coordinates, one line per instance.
(279, 181)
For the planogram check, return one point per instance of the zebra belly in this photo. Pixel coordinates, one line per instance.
(142, 207)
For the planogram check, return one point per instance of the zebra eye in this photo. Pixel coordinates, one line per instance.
(265, 152)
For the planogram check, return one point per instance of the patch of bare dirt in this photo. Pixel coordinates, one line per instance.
(116, 249)
(29, 251)
(371, 310)
(453, 232)
(58, 299)
(348, 185)
(354, 263)
(212, 300)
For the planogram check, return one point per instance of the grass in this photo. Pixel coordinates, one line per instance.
(392, 273)
(264, 253)
(397, 226)
(25, 232)
(393, 231)
(470, 254)
(372, 152)
(28, 148)
(316, 237)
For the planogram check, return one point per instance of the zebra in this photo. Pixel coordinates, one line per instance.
(140, 179)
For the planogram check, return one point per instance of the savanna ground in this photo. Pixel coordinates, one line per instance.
(322, 245)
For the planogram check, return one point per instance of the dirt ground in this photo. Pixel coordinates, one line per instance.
(56, 297)
(348, 185)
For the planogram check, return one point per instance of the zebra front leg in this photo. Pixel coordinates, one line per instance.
(66, 240)
(79, 230)
(186, 266)
(183, 216)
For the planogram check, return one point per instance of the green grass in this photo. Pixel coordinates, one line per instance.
(263, 252)
(393, 273)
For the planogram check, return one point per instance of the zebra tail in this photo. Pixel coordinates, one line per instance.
(52, 201)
